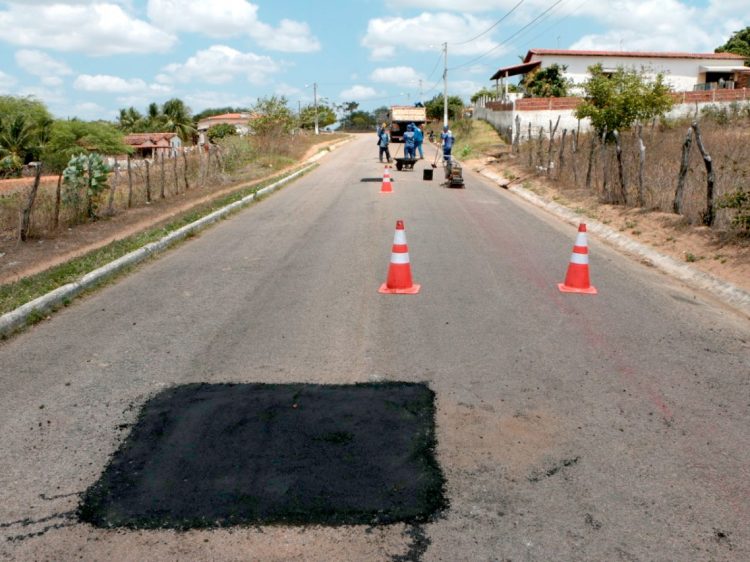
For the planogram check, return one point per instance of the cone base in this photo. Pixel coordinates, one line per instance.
(413, 290)
(591, 290)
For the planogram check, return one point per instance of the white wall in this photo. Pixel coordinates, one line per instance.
(681, 74)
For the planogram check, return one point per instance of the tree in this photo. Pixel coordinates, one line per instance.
(220, 131)
(273, 122)
(738, 43)
(176, 118)
(614, 102)
(381, 114)
(69, 138)
(24, 129)
(549, 82)
(435, 107)
(131, 120)
(361, 120)
(482, 93)
(326, 116)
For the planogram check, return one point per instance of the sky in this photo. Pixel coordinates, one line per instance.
(90, 58)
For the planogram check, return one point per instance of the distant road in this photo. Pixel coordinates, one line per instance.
(570, 427)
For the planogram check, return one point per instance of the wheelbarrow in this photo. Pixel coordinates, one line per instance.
(405, 163)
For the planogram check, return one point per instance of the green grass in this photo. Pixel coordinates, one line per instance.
(13, 295)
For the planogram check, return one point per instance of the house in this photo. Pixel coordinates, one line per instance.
(241, 122)
(684, 72)
(153, 145)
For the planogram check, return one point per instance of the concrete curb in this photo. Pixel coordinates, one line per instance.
(15, 319)
(726, 292)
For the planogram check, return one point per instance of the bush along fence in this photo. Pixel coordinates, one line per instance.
(700, 171)
(89, 189)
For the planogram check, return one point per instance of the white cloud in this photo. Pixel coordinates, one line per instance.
(230, 18)
(403, 75)
(287, 90)
(6, 82)
(463, 6)
(108, 84)
(387, 36)
(93, 28)
(199, 101)
(659, 25)
(358, 93)
(40, 64)
(90, 110)
(220, 64)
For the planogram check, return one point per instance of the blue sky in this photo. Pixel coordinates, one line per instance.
(89, 58)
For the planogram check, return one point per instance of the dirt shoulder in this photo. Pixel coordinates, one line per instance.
(19, 260)
(727, 259)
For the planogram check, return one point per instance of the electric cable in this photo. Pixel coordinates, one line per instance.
(494, 25)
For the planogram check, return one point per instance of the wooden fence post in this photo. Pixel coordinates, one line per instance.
(641, 165)
(621, 169)
(174, 173)
(591, 160)
(531, 148)
(185, 170)
(162, 175)
(26, 212)
(517, 140)
(148, 180)
(551, 143)
(574, 139)
(130, 184)
(58, 197)
(684, 166)
(708, 217)
(561, 163)
(112, 189)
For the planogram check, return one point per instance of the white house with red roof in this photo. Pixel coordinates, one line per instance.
(697, 80)
(684, 72)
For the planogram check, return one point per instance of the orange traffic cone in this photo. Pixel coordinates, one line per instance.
(386, 185)
(577, 278)
(399, 271)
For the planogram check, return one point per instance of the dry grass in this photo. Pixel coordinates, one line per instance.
(727, 144)
(237, 160)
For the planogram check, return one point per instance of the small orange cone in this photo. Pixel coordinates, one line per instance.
(577, 278)
(386, 187)
(399, 271)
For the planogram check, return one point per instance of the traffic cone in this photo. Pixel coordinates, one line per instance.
(577, 278)
(399, 271)
(385, 187)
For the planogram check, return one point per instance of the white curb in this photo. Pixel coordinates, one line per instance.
(15, 319)
(728, 293)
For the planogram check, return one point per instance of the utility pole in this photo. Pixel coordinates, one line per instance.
(445, 84)
(315, 98)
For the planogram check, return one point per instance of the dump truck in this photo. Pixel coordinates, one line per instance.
(401, 115)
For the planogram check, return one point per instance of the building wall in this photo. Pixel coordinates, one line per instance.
(504, 116)
(681, 74)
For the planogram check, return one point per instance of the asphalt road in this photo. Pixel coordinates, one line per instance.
(569, 427)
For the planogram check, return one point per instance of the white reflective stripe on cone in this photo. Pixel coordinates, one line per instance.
(400, 237)
(400, 258)
(581, 239)
(579, 259)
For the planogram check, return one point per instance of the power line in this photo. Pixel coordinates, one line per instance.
(493, 26)
(569, 14)
(437, 62)
(528, 25)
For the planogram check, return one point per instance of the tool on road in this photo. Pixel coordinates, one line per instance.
(386, 187)
(399, 272)
(437, 153)
(577, 277)
(405, 163)
(454, 173)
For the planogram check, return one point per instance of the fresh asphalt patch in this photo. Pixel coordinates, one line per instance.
(214, 455)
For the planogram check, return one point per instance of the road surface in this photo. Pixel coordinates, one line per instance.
(569, 427)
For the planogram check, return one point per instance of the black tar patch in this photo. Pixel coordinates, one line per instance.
(213, 455)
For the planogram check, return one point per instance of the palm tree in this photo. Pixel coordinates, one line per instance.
(130, 120)
(177, 118)
(17, 139)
